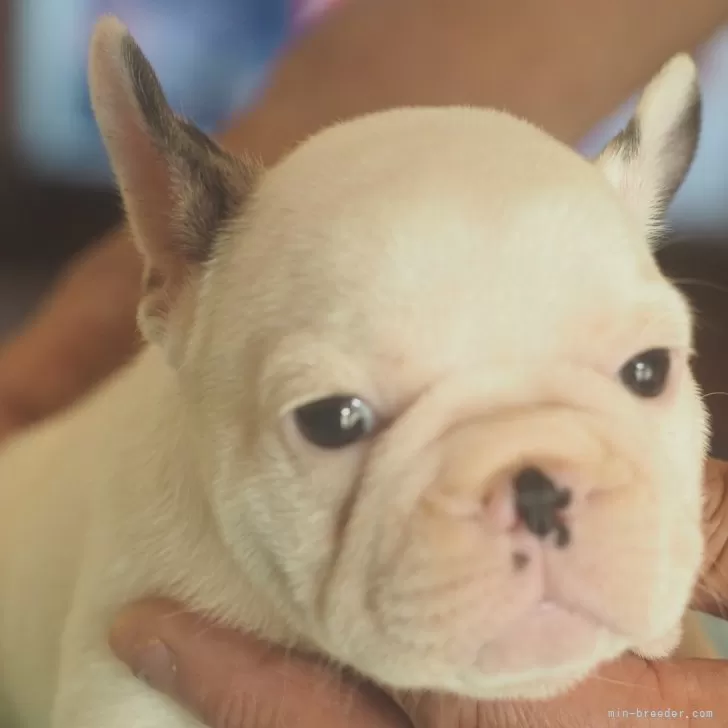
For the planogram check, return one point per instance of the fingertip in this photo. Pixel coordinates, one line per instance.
(140, 622)
(135, 639)
(214, 671)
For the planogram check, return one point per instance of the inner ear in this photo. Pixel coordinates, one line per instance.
(179, 187)
(649, 160)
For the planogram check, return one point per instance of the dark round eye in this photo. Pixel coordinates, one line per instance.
(646, 374)
(335, 422)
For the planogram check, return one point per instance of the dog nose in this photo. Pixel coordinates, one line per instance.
(540, 503)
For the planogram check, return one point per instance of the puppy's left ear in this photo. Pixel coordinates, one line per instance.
(178, 186)
(648, 161)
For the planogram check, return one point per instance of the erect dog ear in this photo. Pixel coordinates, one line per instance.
(178, 186)
(648, 161)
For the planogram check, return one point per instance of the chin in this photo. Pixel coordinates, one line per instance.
(539, 657)
(546, 687)
(661, 646)
(541, 683)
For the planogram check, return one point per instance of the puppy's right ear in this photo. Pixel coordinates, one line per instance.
(178, 186)
(648, 161)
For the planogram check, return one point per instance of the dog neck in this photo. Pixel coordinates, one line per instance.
(149, 456)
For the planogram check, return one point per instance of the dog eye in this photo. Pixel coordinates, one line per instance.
(335, 422)
(646, 374)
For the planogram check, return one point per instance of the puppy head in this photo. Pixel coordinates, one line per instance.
(442, 387)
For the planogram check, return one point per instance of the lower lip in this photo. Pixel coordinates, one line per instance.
(547, 635)
(546, 607)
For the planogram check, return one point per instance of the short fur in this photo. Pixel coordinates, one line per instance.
(480, 286)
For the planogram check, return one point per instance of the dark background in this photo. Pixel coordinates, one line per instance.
(42, 223)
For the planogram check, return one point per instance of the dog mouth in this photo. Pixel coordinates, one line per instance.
(544, 651)
(548, 634)
(541, 652)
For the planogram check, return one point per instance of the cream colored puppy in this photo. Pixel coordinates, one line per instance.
(418, 399)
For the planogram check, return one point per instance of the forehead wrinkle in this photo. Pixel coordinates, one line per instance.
(412, 340)
(390, 365)
(654, 316)
(659, 316)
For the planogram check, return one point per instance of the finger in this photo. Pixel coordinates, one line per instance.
(631, 690)
(711, 592)
(698, 684)
(230, 679)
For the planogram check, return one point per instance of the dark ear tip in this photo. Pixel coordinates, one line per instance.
(694, 100)
(694, 119)
(112, 40)
(141, 77)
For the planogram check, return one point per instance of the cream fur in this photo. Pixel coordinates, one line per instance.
(480, 286)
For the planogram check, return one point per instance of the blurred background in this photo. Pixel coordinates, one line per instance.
(55, 191)
(56, 194)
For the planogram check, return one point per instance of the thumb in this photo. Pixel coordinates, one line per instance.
(623, 693)
(697, 685)
(230, 679)
(711, 592)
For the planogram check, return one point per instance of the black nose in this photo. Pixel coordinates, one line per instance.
(539, 503)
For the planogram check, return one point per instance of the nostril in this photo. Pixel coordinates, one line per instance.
(530, 480)
(535, 488)
(539, 502)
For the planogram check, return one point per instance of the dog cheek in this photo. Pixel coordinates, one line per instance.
(680, 463)
(294, 516)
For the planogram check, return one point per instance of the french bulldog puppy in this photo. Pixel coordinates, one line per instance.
(417, 398)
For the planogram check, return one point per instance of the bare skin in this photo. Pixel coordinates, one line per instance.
(564, 65)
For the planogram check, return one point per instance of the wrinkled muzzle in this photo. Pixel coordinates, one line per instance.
(520, 545)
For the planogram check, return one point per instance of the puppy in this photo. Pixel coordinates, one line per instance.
(417, 399)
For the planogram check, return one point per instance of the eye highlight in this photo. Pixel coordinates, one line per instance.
(335, 422)
(646, 375)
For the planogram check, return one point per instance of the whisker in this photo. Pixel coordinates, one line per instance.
(699, 282)
(715, 394)
(612, 681)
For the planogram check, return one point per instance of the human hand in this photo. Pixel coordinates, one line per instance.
(81, 332)
(711, 594)
(693, 691)
(231, 680)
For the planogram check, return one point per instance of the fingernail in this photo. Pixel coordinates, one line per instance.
(154, 663)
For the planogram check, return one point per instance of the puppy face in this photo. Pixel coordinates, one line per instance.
(443, 390)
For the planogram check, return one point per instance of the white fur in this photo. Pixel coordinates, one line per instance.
(480, 286)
